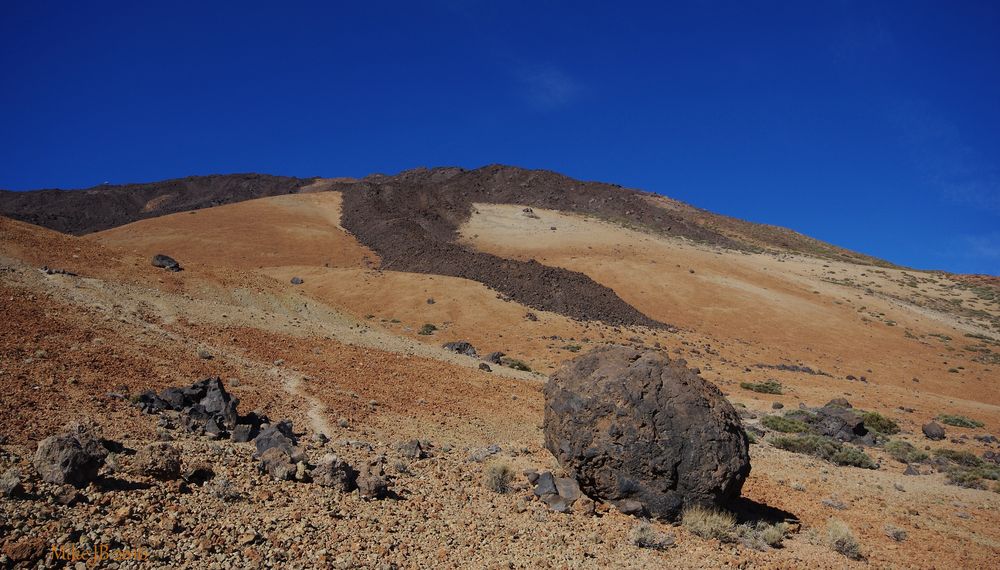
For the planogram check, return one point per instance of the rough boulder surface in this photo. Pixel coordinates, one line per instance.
(635, 428)
(73, 457)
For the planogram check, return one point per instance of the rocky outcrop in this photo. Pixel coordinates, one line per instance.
(635, 428)
(73, 457)
(331, 471)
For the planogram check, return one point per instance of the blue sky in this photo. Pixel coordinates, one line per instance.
(872, 125)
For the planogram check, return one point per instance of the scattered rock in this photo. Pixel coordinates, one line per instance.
(297, 281)
(73, 457)
(25, 551)
(461, 347)
(911, 470)
(633, 425)
(204, 354)
(166, 262)
(485, 367)
(10, 483)
(242, 433)
(495, 357)
(777, 406)
(277, 462)
(158, 460)
(933, 430)
(279, 436)
(531, 316)
(372, 481)
(412, 449)
(333, 472)
(480, 455)
(839, 403)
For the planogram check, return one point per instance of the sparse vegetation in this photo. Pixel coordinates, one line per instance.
(876, 422)
(959, 421)
(766, 387)
(515, 364)
(784, 425)
(497, 477)
(968, 470)
(840, 538)
(645, 536)
(709, 523)
(826, 449)
(761, 535)
(904, 452)
(895, 533)
(427, 329)
(572, 347)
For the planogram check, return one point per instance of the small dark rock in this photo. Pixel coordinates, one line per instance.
(485, 367)
(412, 449)
(545, 484)
(166, 262)
(297, 281)
(777, 406)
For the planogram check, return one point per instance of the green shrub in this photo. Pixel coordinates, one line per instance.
(515, 364)
(973, 478)
(766, 387)
(853, 457)
(427, 329)
(963, 458)
(876, 422)
(572, 347)
(904, 452)
(784, 425)
(826, 449)
(959, 421)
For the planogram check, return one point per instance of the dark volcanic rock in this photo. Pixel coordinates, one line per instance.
(461, 347)
(205, 406)
(372, 481)
(166, 262)
(933, 430)
(635, 426)
(107, 206)
(839, 423)
(332, 471)
(411, 221)
(73, 457)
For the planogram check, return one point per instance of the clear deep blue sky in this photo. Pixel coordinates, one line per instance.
(872, 125)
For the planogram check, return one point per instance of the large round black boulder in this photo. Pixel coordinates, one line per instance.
(645, 432)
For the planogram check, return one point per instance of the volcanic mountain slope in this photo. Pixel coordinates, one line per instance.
(345, 345)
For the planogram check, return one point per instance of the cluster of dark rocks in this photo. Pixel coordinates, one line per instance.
(495, 358)
(207, 408)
